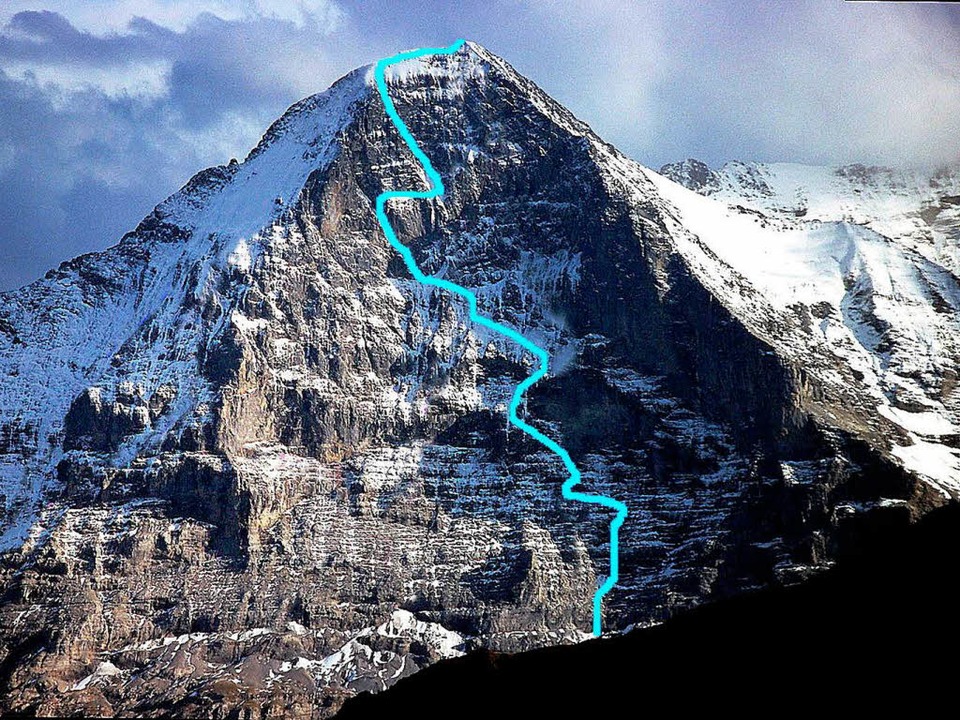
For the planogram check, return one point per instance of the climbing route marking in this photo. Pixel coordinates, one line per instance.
(436, 191)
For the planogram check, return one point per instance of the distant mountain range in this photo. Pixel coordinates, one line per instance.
(248, 464)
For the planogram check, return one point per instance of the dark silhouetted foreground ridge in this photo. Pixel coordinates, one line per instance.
(864, 635)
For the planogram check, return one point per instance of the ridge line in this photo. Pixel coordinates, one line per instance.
(438, 190)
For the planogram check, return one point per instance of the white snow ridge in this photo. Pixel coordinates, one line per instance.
(867, 257)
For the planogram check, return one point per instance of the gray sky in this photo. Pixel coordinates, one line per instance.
(108, 106)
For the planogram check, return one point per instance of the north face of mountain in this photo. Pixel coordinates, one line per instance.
(247, 462)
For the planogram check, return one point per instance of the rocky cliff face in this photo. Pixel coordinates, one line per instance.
(247, 462)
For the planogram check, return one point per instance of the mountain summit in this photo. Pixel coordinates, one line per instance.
(248, 462)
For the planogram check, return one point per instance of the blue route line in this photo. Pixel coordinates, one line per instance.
(436, 191)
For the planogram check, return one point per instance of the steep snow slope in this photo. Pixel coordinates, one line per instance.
(809, 241)
(917, 209)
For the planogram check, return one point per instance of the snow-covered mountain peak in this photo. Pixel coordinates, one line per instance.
(176, 273)
(242, 198)
(247, 460)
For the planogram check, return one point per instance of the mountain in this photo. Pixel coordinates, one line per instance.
(248, 464)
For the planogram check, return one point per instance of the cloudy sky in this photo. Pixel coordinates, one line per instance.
(107, 106)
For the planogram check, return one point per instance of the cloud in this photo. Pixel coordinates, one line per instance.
(58, 171)
(45, 45)
(98, 16)
(812, 82)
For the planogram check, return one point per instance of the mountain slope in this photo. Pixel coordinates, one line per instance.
(248, 462)
(856, 256)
